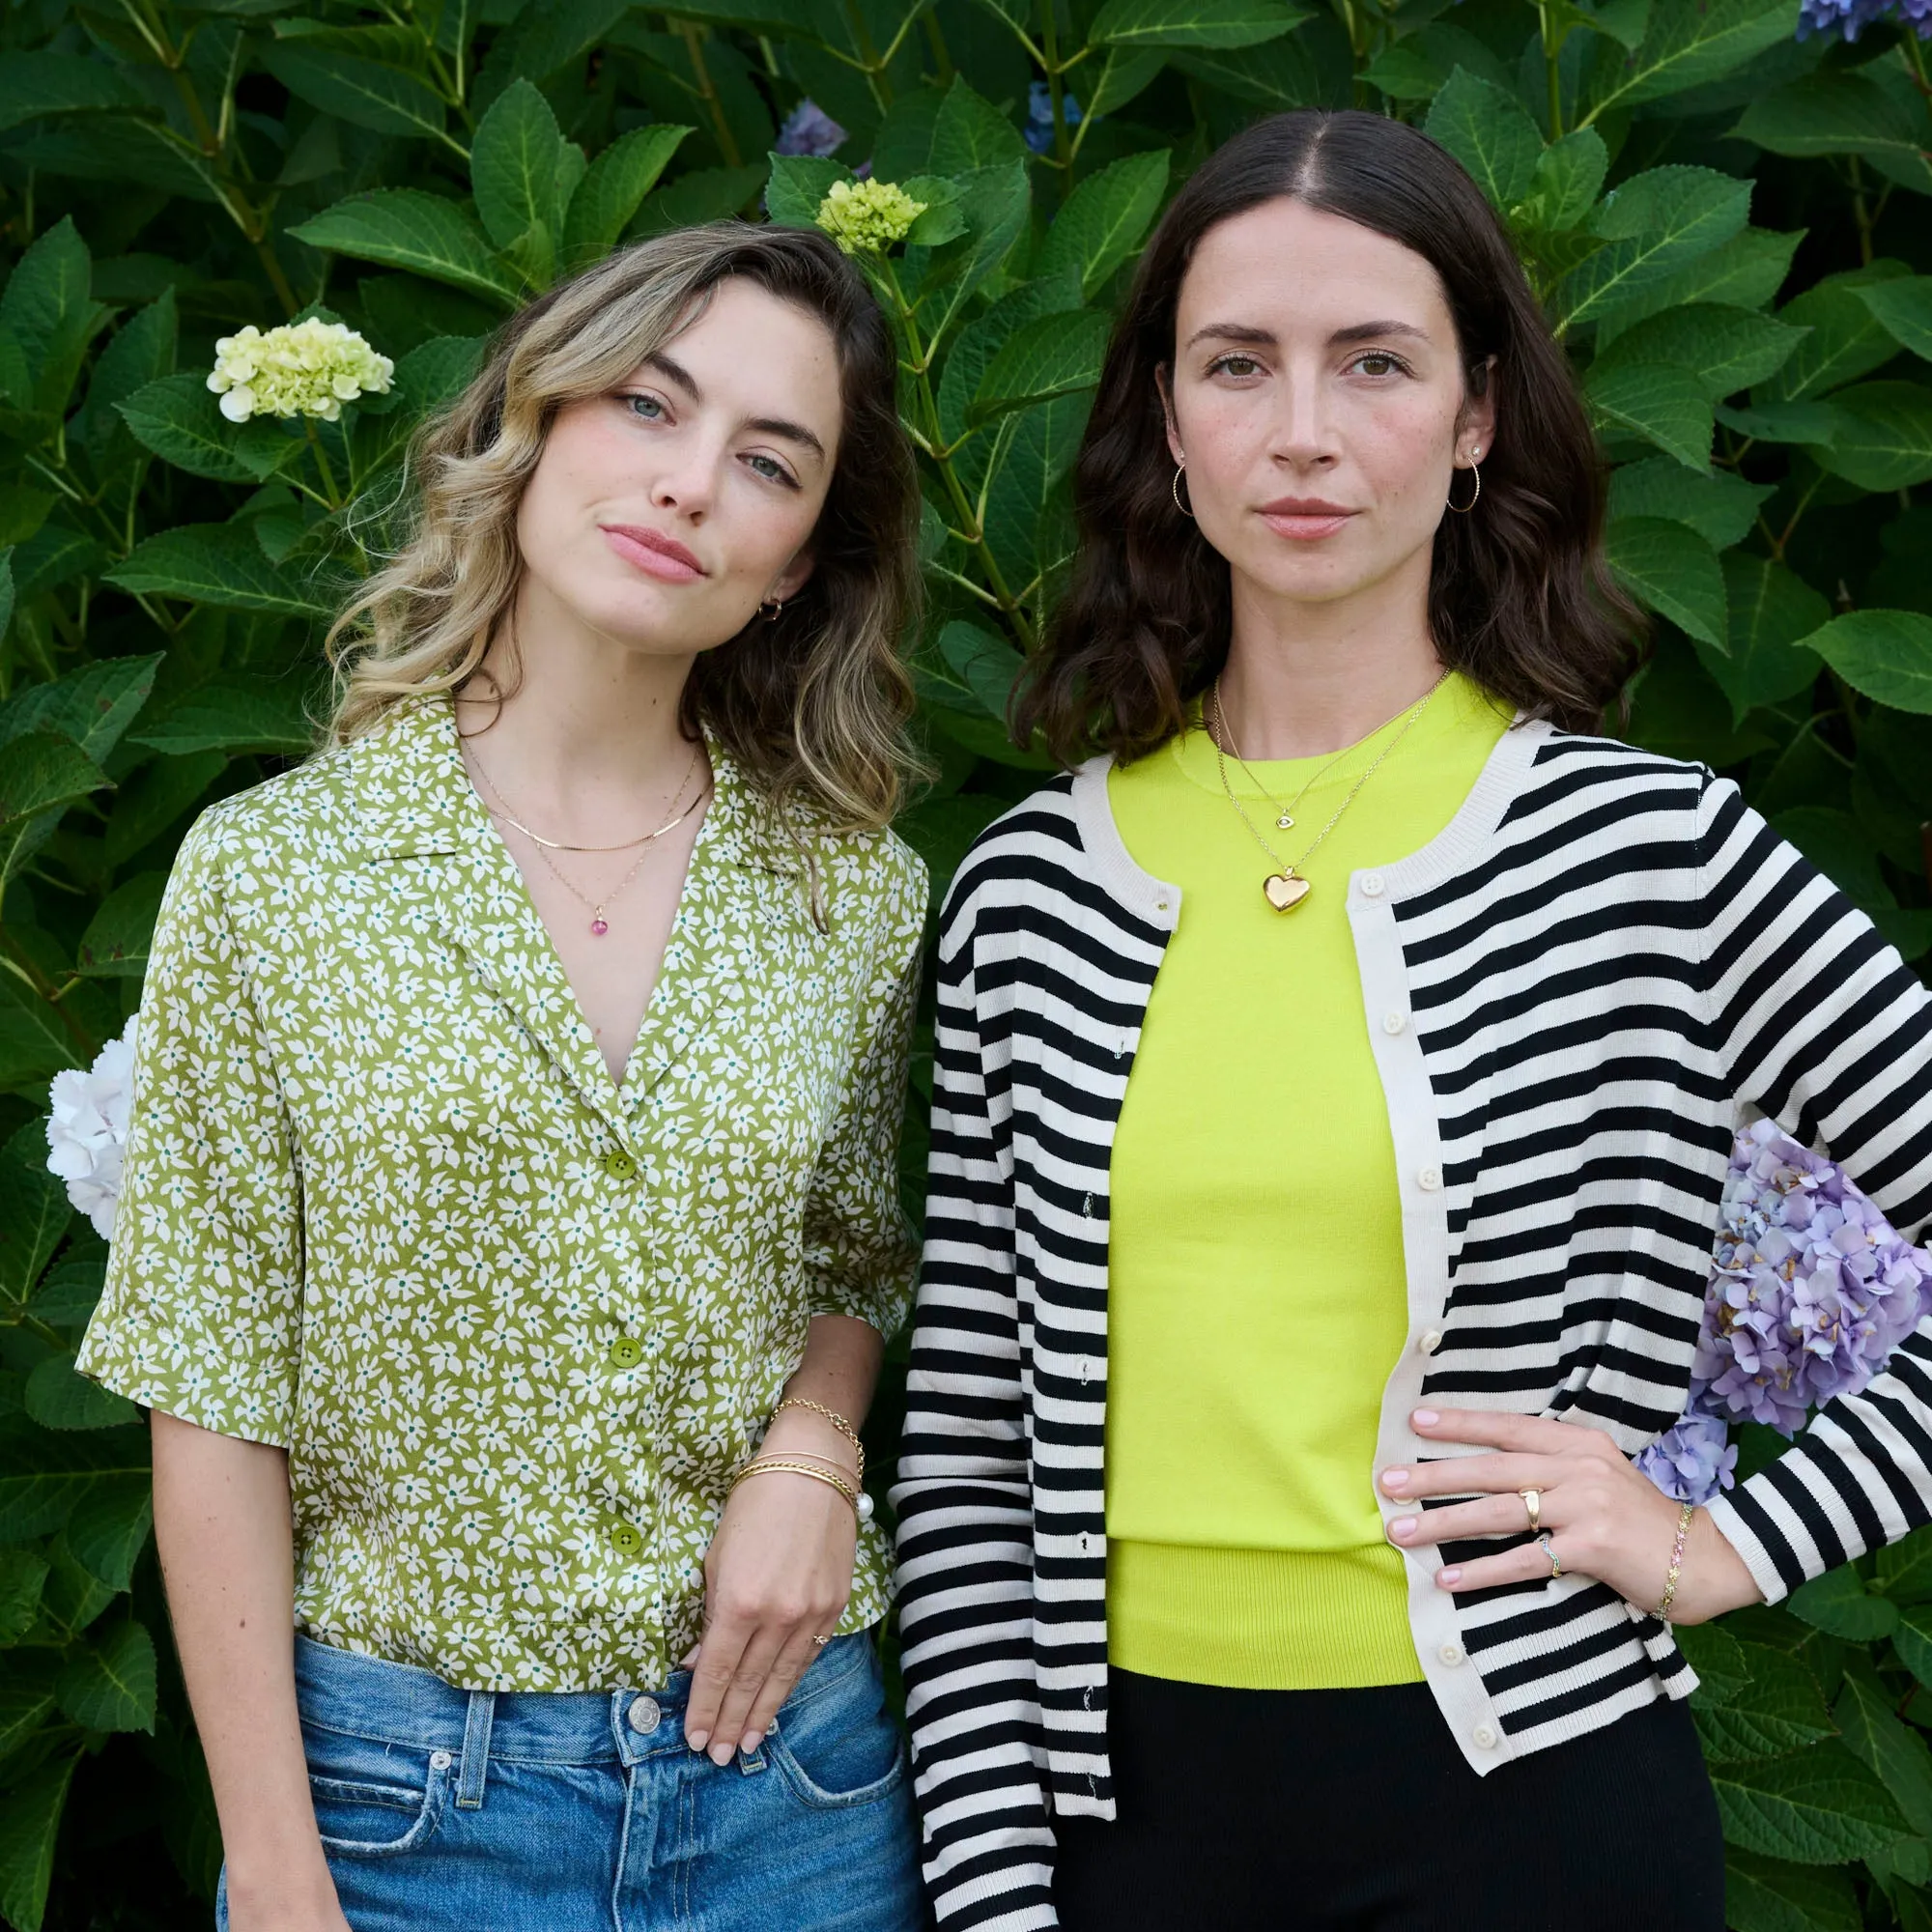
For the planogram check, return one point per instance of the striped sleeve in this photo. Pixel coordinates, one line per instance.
(1823, 1029)
(964, 1498)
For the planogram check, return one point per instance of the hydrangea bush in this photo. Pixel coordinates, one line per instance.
(327, 207)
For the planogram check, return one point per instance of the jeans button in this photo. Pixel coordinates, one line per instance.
(643, 1716)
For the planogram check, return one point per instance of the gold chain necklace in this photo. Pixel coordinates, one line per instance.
(600, 925)
(1287, 889)
(1285, 821)
(559, 845)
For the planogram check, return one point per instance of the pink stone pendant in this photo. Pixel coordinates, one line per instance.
(599, 927)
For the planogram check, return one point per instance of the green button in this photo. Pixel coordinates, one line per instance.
(627, 1539)
(619, 1166)
(627, 1352)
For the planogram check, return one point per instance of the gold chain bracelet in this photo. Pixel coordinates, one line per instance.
(1684, 1515)
(830, 1415)
(861, 1504)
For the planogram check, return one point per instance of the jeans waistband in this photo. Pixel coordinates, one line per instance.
(402, 1704)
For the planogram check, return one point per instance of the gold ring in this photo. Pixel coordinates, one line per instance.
(821, 1641)
(1532, 1502)
(1555, 1568)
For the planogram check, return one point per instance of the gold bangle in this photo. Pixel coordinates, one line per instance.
(830, 1415)
(1676, 1570)
(758, 1465)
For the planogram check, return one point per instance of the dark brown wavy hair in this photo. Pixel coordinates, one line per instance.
(1519, 595)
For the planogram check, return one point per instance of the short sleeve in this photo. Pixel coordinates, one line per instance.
(201, 1317)
(860, 1254)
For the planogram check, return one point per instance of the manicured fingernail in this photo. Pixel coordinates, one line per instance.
(752, 1740)
(720, 1754)
(697, 1740)
(1424, 1418)
(1448, 1578)
(1394, 1479)
(1402, 1528)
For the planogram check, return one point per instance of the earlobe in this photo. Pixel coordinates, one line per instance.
(791, 579)
(1172, 429)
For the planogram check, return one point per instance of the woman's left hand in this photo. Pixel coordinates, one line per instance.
(1605, 1518)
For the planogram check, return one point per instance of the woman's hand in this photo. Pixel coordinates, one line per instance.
(1603, 1518)
(777, 1577)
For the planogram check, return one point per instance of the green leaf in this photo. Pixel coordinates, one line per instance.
(1873, 1733)
(109, 1530)
(1568, 177)
(39, 772)
(1830, 112)
(1838, 1603)
(979, 341)
(996, 202)
(1276, 75)
(34, 1211)
(1053, 357)
(1723, 1673)
(970, 132)
(26, 1696)
(1415, 66)
(1490, 133)
(34, 84)
(1905, 1568)
(1782, 1708)
(365, 93)
(1686, 46)
(70, 1293)
(1771, 611)
(180, 419)
(140, 352)
(1888, 655)
(1836, 844)
(1813, 424)
(612, 190)
(55, 555)
(542, 39)
(152, 798)
(1192, 23)
(1847, 340)
(1654, 224)
(408, 228)
(1125, 73)
(215, 563)
(93, 705)
(1669, 567)
(57, 1398)
(23, 1573)
(49, 312)
(46, 1475)
(1102, 221)
(1769, 1896)
(1744, 272)
(942, 830)
(30, 1815)
(986, 665)
(1882, 438)
(109, 1686)
(1722, 508)
(1903, 309)
(1726, 349)
(35, 1044)
(797, 186)
(115, 944)
(1659, 402)
(521, 171)
(235, 714)
(1819, 1807)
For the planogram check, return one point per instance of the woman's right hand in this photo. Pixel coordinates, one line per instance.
(280, 1904)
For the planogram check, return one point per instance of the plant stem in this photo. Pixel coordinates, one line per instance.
(941, 54)
(44, 986)
(692, 36)
(334, 501)
(1056, 88)
(870, 65)
(1552, 55)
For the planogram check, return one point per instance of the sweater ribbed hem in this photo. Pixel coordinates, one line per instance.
(1261, 1619)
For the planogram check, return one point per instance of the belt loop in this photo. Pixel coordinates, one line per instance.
(475, 1750)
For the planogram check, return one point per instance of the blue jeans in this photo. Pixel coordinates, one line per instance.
(588, 1813)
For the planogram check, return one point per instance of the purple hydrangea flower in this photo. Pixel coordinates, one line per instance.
(1691, 1460)
(810, 130)
(1850, 17)
(1812, 1288)
(1039, 115)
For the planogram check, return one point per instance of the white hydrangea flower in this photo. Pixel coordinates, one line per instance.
(300, 369)
(87, 1130)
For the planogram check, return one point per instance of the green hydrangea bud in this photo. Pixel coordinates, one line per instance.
(867, 217)
(300, 369)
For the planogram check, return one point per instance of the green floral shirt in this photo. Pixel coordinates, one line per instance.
(384, 1207)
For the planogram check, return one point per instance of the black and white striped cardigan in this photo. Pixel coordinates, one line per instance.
(1576, 993)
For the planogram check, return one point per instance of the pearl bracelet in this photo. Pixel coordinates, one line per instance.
(862, 1503)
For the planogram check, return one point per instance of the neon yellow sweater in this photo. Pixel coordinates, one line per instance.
(1257, 1295)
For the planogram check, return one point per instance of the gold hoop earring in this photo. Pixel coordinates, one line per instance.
(1179, 471)
(771, 609)
(1475, 497)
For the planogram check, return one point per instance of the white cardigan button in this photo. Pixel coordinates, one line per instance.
(1428, 1342)
(1451, 1654)
(1373, 885)
(1430, 1180)
(1393, 1023)
(1485, 1736)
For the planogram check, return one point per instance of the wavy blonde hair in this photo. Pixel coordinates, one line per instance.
(811, 704)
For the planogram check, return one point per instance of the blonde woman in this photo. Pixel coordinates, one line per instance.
(510, 1223)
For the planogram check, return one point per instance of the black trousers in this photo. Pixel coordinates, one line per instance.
(1353, 1811)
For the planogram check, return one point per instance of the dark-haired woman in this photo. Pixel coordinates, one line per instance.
(1334, 1083)
(510, 1218)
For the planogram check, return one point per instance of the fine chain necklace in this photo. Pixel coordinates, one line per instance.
(600, 925)
(1286, 889)
(1285, 821)
(622, 846)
